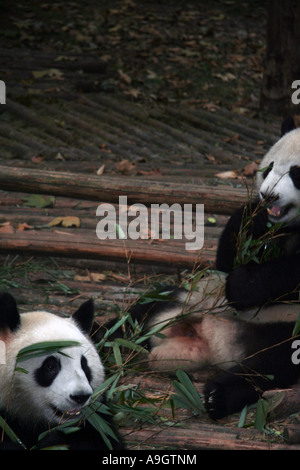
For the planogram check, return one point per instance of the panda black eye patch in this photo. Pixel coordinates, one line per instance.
(267, 170)
(295, 175)
(47, 372)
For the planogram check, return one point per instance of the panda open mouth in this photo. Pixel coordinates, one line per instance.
(66, 413)
(277, 212)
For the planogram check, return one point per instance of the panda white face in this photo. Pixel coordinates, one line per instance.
(278, 180)
(57, 386)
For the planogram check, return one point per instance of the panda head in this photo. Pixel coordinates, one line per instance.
(278, 178)
(52, 387)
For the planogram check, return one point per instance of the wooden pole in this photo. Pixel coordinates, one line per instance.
(75, 243)
(220, 199)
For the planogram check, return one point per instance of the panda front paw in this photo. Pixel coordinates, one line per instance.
(228, 393)
(215, 400)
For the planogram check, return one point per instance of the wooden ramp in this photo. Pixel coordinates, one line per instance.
(113, 273)
(60, 160)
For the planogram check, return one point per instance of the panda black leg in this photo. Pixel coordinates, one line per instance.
(227, 394)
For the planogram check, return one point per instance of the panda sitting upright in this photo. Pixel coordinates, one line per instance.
(278, 277)
(201, 326)
(48, 389)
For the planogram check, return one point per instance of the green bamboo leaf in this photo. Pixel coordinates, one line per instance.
(130, 345)
(297, 326)
(243, 415)
(120, 232)
(102, 426)
(100, 390)
(152, 332)
(46, 347)
(261, 414)
(10, 433)
(186, 381)
(187, 393)
(39, 201)
(117, 354)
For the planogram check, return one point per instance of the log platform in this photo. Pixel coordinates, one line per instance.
(64, 155)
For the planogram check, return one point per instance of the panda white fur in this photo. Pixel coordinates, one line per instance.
(45, 391)
(201, 327)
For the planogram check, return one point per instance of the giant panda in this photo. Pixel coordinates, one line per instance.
(48, 390)
(275, 277)
(212, 322)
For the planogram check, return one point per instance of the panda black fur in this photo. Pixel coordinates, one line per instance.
(56, 386)
(200, 327)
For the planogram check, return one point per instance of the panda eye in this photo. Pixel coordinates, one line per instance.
(47, 372)
(51, 364)
(295, 175)
(267, 170)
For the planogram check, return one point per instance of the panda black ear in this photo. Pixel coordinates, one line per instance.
(287, 125)
(84, 316)
(9, 314)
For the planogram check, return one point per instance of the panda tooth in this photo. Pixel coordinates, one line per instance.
(73, 413)
(274, 211)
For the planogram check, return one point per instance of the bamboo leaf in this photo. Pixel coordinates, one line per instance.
(10, 433)
(297, 326)
(187, 396)
(46, 347)
(102, 426)
(261, 414)
(117, 354)
(243, 417)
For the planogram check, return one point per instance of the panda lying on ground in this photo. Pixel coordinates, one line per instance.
(200, 327)
(49, 389)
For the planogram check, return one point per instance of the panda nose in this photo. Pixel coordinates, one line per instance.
(80, 398)
(269, 197)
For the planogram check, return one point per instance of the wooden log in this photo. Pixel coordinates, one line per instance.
(292, 434)
(85, 244)
(198, 436)
(284, 402)
(219, 199)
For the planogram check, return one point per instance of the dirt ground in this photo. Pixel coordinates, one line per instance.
(200, 53)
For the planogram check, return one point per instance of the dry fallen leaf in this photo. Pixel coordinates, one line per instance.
(250, 169)
(38, 158)
(59, 156)
(124, 77)
(227, 174)
(54, 73)
(68, 221)
(24, 226)
(6, 227)
(155, 171)
(133, 92)
(211, 158)
(91, 277)
(124, 166)
(100, 170)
